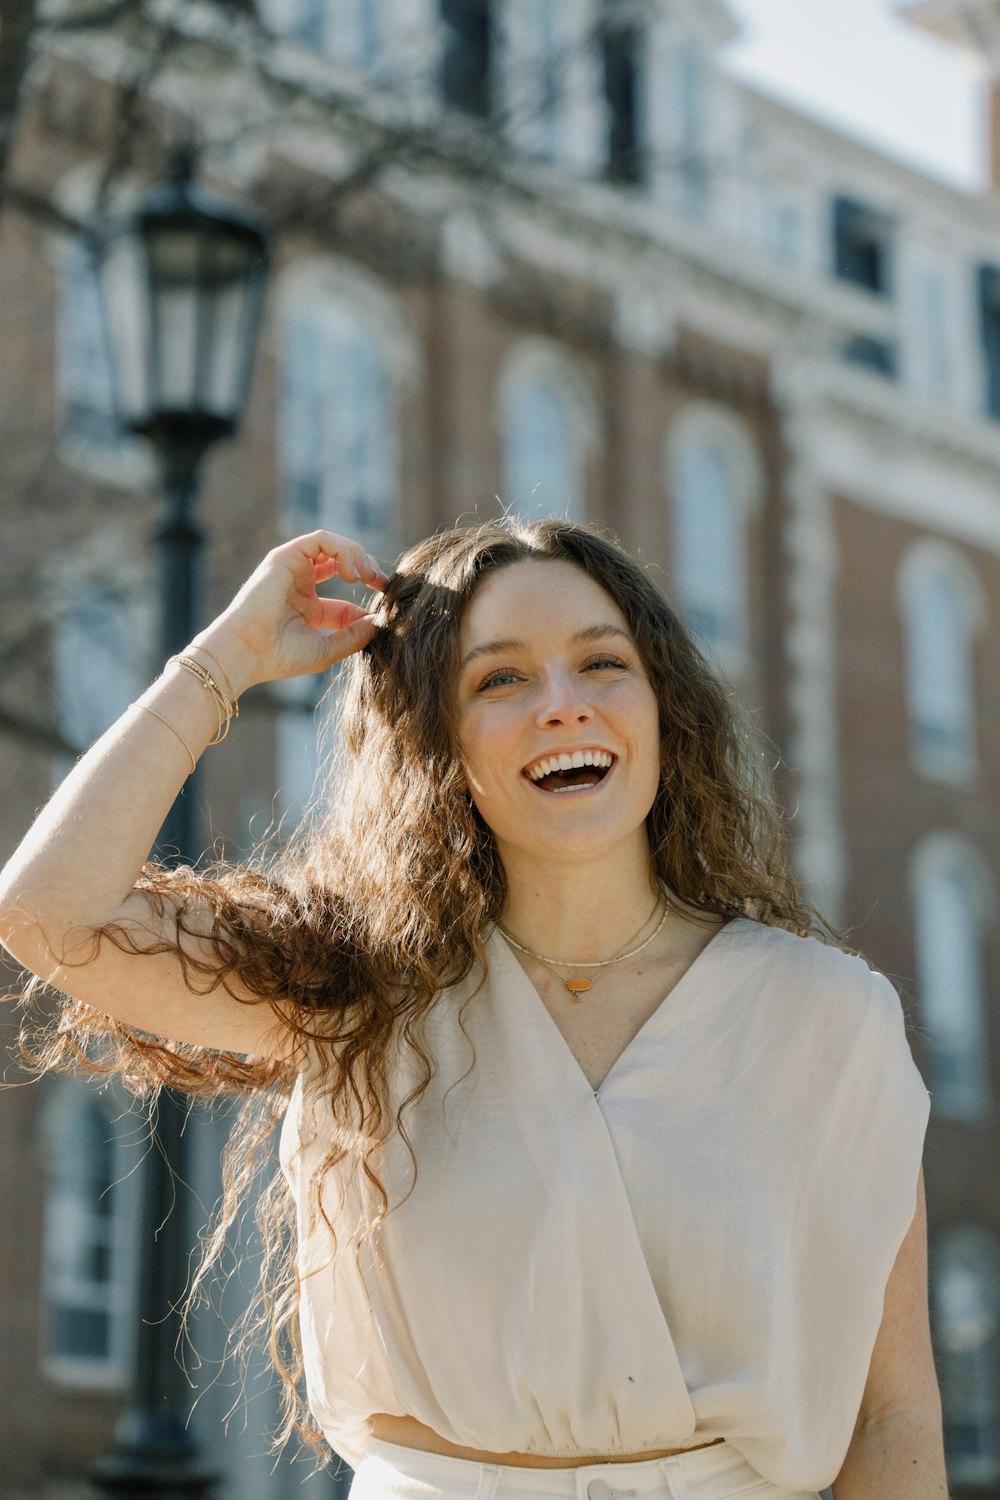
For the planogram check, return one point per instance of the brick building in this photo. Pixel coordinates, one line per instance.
(560, 256)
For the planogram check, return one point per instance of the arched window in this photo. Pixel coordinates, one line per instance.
(85, 372)
(338, 428)
(950, 908)
(541, 462)
(92, 1150)
(940, 598)
(965, 1309)
(548, 423)
(714, 480)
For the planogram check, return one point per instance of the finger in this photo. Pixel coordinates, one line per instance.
(352, 637)
(323, 548)
(367, 567)
(335, 614)
(333, 558)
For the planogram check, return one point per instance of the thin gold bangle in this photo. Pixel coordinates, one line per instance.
(223, 707)
(147, 710)
(234, 703)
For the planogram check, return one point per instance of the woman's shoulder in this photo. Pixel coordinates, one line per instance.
(807, 966)
(805, 949)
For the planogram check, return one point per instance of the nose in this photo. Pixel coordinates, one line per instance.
(563, 700)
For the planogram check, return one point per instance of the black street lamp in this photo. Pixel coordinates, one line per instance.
(183, 281)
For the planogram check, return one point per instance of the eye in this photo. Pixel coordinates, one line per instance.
(595, 661)
(491, 680)
(607, 661)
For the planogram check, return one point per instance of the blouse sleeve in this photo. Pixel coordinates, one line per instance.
(857, 1198)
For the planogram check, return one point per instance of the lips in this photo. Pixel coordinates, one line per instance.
(571, 789)
(577, 754)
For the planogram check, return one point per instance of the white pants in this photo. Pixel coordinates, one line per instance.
(720, 1472)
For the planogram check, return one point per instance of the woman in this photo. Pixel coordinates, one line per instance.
(599, 1163)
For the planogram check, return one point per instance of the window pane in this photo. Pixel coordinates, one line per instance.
(86, 376)
(465, 66)
(948, 942)
(965, 1300)
(708, 543)
(933, 355)
(541, 462)
(359, 478)
(88, 1236)
(690, 86)
(303, 400)
(79, 1333)
(97, 662)
(338, 430)
(939, 671)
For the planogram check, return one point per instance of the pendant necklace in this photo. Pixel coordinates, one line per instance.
(579, 987)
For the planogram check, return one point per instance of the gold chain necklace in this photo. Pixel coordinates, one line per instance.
(578, 987)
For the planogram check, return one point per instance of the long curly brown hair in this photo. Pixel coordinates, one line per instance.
(387, 889)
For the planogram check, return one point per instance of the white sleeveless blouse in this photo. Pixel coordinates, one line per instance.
(698, 1251)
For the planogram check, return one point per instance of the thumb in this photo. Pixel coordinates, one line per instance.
(351, 637)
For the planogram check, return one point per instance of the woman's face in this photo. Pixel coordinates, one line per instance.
(549, 668)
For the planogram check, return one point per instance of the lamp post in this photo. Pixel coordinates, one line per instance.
(183, 282)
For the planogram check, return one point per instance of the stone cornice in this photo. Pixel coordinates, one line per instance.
(881, 408)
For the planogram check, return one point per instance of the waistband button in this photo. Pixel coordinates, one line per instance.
(599, 1489)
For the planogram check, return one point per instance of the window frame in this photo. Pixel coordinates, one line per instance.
(967, 1099)
(956, 762)
(61, 1125)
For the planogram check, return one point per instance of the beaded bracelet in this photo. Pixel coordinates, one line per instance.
(226, 705)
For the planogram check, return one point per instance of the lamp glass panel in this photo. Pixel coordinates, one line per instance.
(173, 255)
(226, 258)
(176, 331)
(125, 291)
(228, 355)
(174, 279)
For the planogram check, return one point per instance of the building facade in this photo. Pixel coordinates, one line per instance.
(554, 258)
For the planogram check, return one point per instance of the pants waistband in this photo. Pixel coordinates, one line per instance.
(719, 1469)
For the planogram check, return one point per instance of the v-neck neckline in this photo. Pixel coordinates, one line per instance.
(668, 1001)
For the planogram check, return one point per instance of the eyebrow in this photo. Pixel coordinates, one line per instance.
(589, 633)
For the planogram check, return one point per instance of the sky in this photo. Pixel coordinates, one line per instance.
(857, 65)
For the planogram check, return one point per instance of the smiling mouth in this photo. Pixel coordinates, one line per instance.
(579, 779)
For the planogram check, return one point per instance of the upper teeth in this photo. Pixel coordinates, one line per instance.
(569, 762)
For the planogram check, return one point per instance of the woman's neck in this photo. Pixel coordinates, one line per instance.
(579, 913)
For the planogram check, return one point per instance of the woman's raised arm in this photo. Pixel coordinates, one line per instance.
(76, 869)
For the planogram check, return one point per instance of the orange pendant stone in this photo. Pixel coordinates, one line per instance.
(578, 987)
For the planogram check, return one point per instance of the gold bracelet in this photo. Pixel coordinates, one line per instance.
(224, 707)
(208, 682)
(147, 710)
(234, 702)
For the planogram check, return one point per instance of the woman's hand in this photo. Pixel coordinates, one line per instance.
(277, 624)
